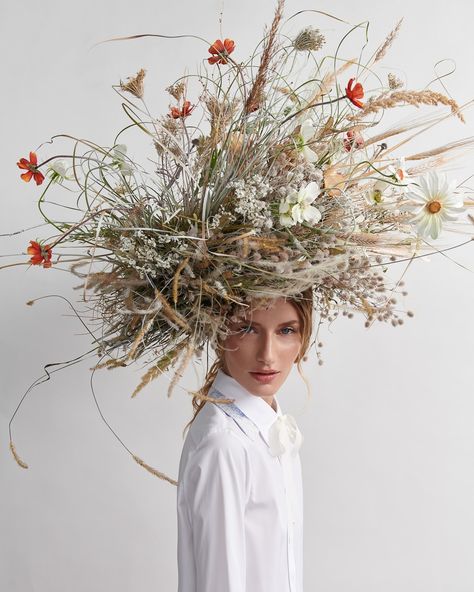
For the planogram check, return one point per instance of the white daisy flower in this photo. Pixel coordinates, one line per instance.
(296, 208)
(306, 134)
(433, 201)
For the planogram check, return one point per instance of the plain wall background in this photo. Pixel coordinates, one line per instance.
(389, 443)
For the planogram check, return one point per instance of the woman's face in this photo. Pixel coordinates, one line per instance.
(266, 339)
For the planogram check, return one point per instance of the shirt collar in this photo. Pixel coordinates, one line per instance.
(253, 406)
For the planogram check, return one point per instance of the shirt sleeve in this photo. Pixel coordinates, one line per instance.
(216, 487)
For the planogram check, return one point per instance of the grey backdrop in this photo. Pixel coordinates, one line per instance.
(388, 450)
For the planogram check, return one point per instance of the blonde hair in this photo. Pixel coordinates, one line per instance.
(304, 308)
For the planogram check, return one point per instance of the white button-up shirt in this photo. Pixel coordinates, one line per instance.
(239, 509)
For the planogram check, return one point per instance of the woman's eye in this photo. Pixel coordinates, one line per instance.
(243, 329)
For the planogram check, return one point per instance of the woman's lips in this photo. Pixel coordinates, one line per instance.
(264, 378)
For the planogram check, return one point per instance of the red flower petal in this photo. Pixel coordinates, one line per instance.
(23, 164)
(217, 47)
(229, 45)
(41, 254)
(220, 50)
(33, 158)
(187, 108)
(26, 176)
(39, 177)
(355, 93)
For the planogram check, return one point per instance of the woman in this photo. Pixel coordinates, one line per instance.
(239, 497)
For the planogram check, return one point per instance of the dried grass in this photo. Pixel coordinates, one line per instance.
(178, 271)
(326, 83)
(153, 471)
(388, 42)
(139, 338)
(441, 149)
(189, 352)
(20, 462)
(160, 367)
(407, 97)
(256, 93)
(170, 314)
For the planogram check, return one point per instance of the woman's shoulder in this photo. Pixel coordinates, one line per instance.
(212, 427)
(213, 439)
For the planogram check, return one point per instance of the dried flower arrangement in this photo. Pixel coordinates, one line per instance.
(285, 186)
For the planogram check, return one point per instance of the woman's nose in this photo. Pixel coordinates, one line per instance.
(266, 349)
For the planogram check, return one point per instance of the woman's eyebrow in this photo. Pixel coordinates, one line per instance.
(292, 322)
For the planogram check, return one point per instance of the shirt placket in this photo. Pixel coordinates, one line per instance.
(290, 506)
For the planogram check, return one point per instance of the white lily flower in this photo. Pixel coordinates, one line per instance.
(433, 201)
(296, 208)
(306, 134)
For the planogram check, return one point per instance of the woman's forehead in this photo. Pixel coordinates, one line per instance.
(267, 312)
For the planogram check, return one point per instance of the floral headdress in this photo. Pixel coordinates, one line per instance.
(269, 181)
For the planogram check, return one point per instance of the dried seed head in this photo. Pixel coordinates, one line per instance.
(135, 84)
(309, 39)
(176, 90)
(394, 82)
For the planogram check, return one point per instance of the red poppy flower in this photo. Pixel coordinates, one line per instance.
(356, 93)
(220, 51)
(31, 166)
(353, 141)
(176, 112)
(41, 254)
